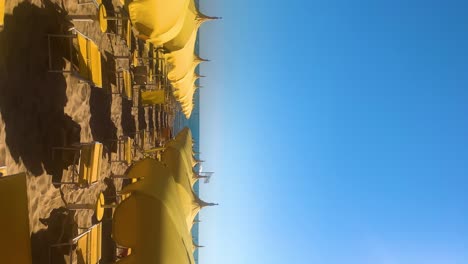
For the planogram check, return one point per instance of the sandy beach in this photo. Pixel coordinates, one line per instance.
(42, 110)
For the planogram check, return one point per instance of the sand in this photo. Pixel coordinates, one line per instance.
(40, 110)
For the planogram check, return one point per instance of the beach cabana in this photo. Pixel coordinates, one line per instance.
(90, 156)
(157, 21)
(87, 65)
(15, 241)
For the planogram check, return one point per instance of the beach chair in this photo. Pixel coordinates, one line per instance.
(141, 139)
(97, 207)
(125, 84)
(90, 156)
(152, 97)
(15, 240)
(86, 64)
(101, 17)
(125, 151)
(88, 245)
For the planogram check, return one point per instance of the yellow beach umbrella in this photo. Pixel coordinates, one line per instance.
(183, 176)
(144, 224)
(193, 20)
(181, 60)
(158, 21)
(184, 141)
(183, 68)
(151, 220)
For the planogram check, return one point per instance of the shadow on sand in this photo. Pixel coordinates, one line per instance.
(128, 121)
(32, 100)
(102, 127)
(60, 229)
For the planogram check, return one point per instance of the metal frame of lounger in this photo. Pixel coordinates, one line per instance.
(97, 17)
(75, 240)
(72, 71)
(75, 171)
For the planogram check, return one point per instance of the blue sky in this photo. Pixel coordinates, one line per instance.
(337, 130)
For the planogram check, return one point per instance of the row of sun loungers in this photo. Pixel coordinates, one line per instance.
(85, 64)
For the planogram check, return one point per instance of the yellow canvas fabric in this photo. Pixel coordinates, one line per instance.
(83, 249)
(135, 61)
(2, 10)
(83, 60)
(90, 163)
(102, 18)
(193, 20)
(15, 241)
(153, 97)
(89, 245)
(143, 223)
(151, 221)
(89, 60)
(128, 33)
(128, 85)
(182, 172)
(185, 87)
(182, 69)
(179, 61)
(96, 67)
(96, 243)
(128, 143)
(158, 21)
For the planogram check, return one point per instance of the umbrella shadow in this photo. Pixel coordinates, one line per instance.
(128, 121)
(32, 99)
(102, 127)
(61, 227)
(141, 119)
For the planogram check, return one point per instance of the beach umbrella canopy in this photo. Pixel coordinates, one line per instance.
(183, 175)
(144, 224)
(192, 21)
(158, 21)
(183, 67)
(184, 141)
(151, 221)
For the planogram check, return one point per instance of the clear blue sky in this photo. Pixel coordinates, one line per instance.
(338, 131)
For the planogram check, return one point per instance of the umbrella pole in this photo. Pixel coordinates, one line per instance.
(82, 18)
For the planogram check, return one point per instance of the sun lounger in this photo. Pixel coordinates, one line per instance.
(101, 16)
(125, 84)
(87, 66)
(15, 241)
(90, 155)
(88, 245)
(124, 150)
(97, 207)
(152, 97)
